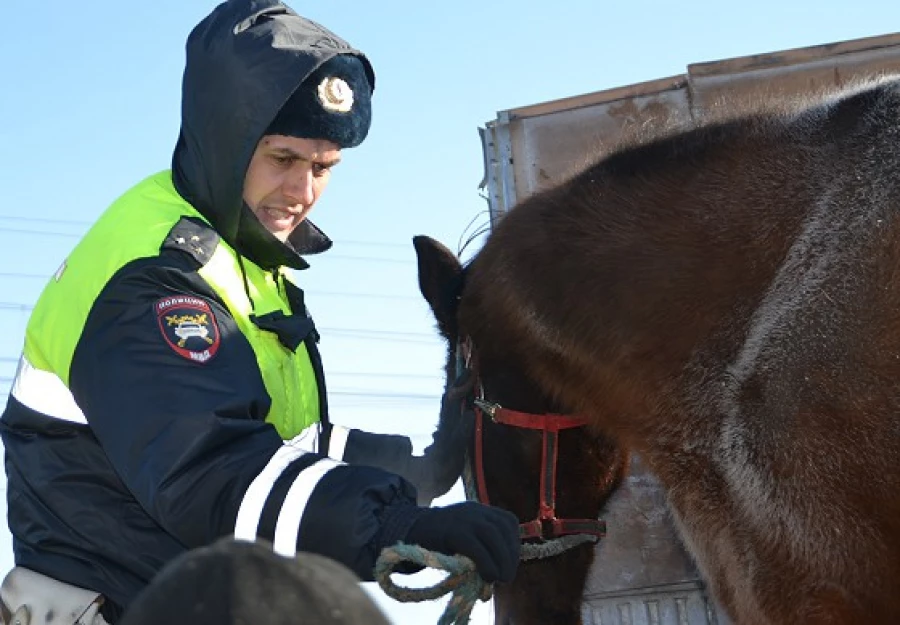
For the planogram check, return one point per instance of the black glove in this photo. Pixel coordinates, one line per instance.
(488, 536)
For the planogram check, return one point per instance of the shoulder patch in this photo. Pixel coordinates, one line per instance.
(188, 326)
(194, 237)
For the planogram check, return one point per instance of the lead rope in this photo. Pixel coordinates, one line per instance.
(463, 581)
(555, 546)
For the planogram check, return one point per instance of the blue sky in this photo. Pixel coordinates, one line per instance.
(90, 105)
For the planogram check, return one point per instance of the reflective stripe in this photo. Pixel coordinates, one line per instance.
(250, 512)
(44, 392)
(338, 442)
(307, 440)
(288, 526)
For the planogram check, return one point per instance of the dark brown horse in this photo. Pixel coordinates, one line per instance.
(725, 301)
(508, 461)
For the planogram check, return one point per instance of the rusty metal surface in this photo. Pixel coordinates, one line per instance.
(627, 92)
(786, 81)
(796, 56)
(547, 149)
(536, 146)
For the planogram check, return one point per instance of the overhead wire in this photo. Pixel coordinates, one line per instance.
(331, 256)
(353, 374)
(352, 393)
(361, 333)
(16, 275)
(356, 333)
(86, 224)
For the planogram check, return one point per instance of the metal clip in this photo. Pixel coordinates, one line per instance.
(487, 407)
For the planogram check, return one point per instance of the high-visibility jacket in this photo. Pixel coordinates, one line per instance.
(149, 217)
(140, 423)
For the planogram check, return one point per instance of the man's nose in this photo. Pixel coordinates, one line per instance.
(298, 185)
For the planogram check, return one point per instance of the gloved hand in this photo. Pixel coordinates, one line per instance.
(487, 535)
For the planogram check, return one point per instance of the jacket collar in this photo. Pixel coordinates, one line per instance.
(262, 247)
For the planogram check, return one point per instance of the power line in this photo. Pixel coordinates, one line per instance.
(359, 393)
(48, 233)
(367, 374)
(28, 276)
(354, 374)
(408, 298)
(41, 220)
(384, 395)
(332, 256)
(315, 293)
(381, 335)
(14, 306)
(370, 259)
(362, 333)
(86, 224)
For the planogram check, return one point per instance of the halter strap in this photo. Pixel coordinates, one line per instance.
(546, 525)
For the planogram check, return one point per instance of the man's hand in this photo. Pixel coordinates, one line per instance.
(488, 536)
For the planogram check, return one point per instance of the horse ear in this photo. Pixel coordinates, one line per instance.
(440, 281)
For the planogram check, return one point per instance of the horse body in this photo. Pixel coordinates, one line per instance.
(725, 302)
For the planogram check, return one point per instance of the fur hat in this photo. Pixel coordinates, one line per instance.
(333, 103)
(233, 581)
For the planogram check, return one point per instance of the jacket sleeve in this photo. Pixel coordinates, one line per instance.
(188, 439)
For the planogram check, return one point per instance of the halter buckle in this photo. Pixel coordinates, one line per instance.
(487, 407)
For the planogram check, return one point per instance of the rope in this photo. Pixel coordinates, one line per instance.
(554, 547)
(463, 581)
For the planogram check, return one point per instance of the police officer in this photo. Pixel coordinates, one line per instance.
(170, 391)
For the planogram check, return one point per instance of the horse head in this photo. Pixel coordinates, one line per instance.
(535, 464)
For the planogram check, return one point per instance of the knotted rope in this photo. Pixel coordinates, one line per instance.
(463, 581)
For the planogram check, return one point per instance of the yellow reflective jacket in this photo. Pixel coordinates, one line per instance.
(138, 226)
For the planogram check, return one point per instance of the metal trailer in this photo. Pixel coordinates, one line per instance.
(642, 575)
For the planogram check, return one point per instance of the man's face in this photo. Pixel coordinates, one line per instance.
(285, 178)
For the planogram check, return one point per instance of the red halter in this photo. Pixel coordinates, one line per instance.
(546, 525)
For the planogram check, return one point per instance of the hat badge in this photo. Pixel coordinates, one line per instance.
(335, 95)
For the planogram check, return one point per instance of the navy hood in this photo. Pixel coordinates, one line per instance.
(243, 63)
